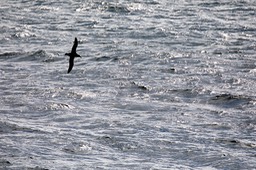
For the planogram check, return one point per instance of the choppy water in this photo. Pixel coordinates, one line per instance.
(160, 85)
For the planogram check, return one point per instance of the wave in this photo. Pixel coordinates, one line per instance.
(229, 100)
(40, 55)
(115, 8)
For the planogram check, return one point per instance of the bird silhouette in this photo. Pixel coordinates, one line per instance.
(72, 55)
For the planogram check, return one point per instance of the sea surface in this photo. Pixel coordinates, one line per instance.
(160, 85)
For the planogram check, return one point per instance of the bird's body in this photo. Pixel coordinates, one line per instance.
(72, 55)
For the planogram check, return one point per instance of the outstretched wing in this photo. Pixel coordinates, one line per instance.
(74, 46)
(71, 64)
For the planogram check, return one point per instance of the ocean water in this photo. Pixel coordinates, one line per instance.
(160, 85)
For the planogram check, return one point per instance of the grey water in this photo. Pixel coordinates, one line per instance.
(160, 84)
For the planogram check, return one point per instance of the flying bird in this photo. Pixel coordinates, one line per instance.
(72, 55)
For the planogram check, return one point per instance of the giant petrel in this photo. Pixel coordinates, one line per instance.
(72, 55)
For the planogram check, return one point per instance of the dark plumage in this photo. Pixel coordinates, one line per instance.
(72, 55)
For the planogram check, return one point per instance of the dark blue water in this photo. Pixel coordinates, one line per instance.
(160, 85)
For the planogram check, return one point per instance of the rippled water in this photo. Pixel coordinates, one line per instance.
(160, 85)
